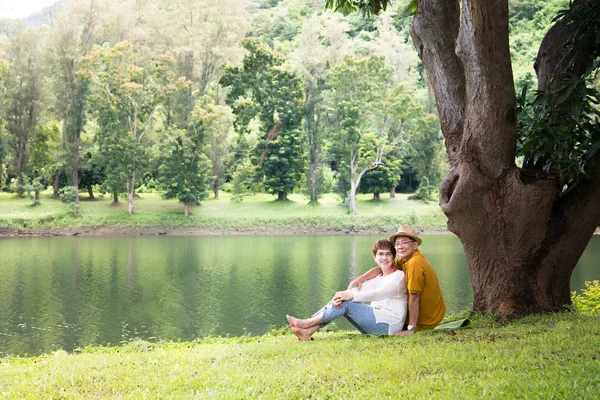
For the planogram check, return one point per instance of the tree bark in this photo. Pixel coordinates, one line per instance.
(56, 183)
(130, 183)
(90, 191)
(186, 209)
(311, 127)
(115, 199)
(376, 196)
(76, 166)
(393, 192)
(521, 239)
(282, 196)
(216, 187)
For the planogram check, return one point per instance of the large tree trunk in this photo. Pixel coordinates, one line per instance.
(392, 192)
(521, 239)
(282, 196)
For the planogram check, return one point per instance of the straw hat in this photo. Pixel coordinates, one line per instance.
(405, 230)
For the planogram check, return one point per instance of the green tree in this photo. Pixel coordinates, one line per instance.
(70, 38)
(310, 61)
(4, 156)
(126, 97)
(4, 145)
(184, 173)
(44, 144)
(366, 103)
(263, 89)
(21, 104)
(218, 124)
(383, 178)
(91, 172)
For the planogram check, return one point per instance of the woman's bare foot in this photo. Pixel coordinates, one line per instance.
(298, 323)
(305, 334)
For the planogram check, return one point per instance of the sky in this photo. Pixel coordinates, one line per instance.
(22, 8)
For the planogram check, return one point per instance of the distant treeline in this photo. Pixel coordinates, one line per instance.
(188, 98)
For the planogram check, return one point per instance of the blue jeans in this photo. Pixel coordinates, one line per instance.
(360, 315)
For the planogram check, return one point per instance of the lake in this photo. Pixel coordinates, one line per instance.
(69, 292)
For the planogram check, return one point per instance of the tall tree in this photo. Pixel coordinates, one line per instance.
(44, 143)
(204, 37)
(21, 104)
(126, 97)
(366, 103)
(71, 38)
(4, 146)
(4, 151)
(318, 44)
(523, 229)
(218, 124)
(263, 88)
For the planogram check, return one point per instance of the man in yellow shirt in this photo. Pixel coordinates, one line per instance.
(426, 307)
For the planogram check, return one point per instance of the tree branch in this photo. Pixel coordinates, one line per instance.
(552, 64)
(484, 51)
(435, 31)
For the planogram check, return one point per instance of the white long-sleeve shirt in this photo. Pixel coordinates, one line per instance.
(388, 297)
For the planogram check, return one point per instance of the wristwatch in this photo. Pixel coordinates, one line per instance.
(411, 328)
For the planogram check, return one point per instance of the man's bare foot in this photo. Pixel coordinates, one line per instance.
(298, 323)
(305, 334)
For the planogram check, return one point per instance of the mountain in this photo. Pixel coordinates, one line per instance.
(41, 17)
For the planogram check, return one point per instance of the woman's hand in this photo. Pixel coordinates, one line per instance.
(342, 296)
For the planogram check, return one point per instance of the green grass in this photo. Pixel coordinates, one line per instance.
(257, 213)
(539, 357)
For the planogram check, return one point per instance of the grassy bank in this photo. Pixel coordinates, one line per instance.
(257, 213)
(550, 356)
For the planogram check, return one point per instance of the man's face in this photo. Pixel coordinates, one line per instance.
(405, 247)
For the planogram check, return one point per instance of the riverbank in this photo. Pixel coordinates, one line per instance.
(544, 356)
(257, 214)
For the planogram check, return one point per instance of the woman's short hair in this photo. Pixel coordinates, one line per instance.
(384, 244)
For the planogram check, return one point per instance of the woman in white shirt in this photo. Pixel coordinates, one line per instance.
(387, 293)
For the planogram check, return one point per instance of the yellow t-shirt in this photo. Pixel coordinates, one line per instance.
(421, 278)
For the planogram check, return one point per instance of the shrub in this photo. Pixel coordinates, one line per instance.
(588, 302)
(68, 195)
(425, 190)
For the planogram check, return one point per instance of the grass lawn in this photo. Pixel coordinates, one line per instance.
(539, 357)
(257, 213)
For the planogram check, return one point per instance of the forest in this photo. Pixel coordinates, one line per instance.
(188, 99)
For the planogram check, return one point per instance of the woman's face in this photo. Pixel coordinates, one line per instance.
(384, 258)
(405, 247)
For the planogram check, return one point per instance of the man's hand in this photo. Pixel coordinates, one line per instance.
(404, 333)
(356, 282)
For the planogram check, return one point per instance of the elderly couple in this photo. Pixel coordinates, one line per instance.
(385, 287)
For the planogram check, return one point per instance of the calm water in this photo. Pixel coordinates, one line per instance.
(74, 291)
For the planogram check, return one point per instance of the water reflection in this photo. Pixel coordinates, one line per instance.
(71, 292)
